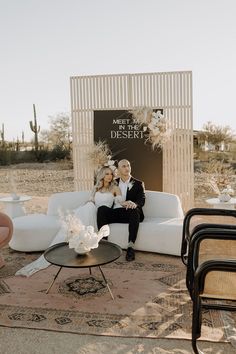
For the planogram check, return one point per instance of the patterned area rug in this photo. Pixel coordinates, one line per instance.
(151, 299)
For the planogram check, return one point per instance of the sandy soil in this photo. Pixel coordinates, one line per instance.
(36, 180)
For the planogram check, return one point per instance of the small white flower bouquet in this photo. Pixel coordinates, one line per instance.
(225, 194)
(80, 237)
(228, 190)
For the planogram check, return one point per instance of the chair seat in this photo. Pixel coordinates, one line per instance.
(220, 285)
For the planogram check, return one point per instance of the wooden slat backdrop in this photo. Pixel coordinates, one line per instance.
(171, 91)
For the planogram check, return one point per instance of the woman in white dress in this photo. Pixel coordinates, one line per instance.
(105, 192)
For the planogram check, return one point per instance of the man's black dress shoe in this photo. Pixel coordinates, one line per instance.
(130, 255)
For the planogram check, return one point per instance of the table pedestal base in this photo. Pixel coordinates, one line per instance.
(104, 278)
(14, 210)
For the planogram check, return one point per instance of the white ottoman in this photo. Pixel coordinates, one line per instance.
(34, 232)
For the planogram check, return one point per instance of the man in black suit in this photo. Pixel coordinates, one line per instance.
(130, 210)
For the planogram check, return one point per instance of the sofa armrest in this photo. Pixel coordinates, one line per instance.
(162, 205)
(66, 201)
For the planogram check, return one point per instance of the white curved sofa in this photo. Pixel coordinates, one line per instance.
(161, 230)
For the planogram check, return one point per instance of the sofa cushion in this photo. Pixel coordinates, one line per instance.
(161, 235)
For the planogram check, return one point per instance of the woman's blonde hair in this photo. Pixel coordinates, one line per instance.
(100, 179)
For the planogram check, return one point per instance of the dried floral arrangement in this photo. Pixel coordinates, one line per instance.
(13, 186)
(154, 124)
(100, 155)
(216, 177)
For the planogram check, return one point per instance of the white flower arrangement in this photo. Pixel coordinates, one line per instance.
(228, 190)
(80, 237)
(154, 124)
(225, 194)
(110, 163)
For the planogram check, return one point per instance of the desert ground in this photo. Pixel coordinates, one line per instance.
(38, 180)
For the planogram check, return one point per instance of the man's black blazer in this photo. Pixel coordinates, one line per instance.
(136, 193)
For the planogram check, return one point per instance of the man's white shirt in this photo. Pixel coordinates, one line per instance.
(123, 188)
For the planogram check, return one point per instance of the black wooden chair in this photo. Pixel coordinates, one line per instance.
(195, 212)
(209, 253)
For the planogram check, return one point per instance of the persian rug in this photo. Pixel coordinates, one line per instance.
(151, 299)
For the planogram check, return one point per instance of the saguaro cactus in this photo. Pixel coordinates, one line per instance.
(17, 144)
(22, 137)
(35, 129)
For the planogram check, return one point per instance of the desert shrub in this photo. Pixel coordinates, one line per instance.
(59, 153)
(220, 156)
(8, 157)
(225, 156)
(5, 157)
(43, 155)
(22, 156)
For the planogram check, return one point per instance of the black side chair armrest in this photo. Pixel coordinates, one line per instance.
(186, 225)
(200, 227)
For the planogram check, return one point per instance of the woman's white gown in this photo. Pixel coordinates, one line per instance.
(87, 213)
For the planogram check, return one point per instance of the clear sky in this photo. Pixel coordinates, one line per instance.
(44, 42)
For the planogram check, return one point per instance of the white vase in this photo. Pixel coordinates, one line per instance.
(81, 252)
(82, 249)
(224, 197)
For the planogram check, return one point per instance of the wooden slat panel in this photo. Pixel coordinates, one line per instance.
(170, 91)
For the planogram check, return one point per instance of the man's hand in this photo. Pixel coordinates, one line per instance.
(128, 204)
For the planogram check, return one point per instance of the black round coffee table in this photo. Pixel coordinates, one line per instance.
(61, 255)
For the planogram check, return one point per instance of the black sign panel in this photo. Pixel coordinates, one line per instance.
(127, 141)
